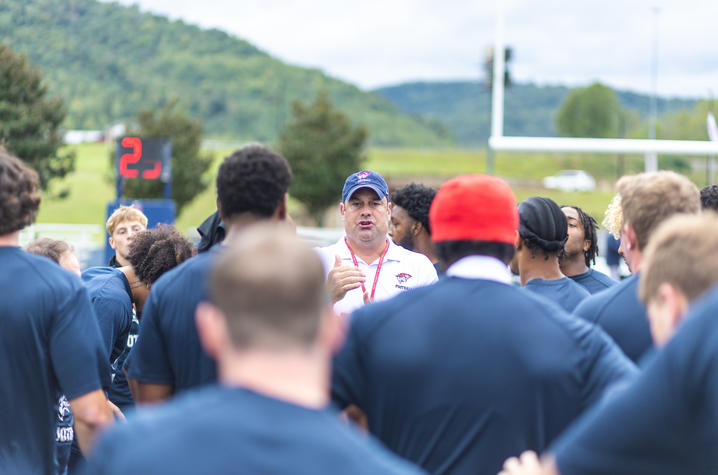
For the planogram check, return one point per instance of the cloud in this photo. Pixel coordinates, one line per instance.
(372, 43)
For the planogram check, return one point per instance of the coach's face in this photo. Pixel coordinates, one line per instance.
(366, 216)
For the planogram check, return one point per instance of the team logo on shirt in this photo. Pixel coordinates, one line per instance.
(403, 277)
(63, 408)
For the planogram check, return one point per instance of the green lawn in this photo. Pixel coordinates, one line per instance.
(91, 186)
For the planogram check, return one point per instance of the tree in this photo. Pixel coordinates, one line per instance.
(323, 149)
(592, 111)
(30, 120)
(188, 164)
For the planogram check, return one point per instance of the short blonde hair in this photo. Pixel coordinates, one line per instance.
(122, 214)
(648, 199)
(683, 252)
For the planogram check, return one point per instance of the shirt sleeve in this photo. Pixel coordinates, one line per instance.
(78, 354)
(148, 361)
(427, 271)
(113, 323)
(603, 365)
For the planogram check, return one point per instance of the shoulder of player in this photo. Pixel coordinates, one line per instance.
(193, 269)
(51, 275)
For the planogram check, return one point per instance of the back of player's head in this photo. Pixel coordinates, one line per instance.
(19, 194)
(648, 199)
(252, 180)
(48, 247)
(270, 287)
(542, 225)
(416, 200)
(473, 215)
(155, 251)
(709, 197)
(682, 252)
(124, 214)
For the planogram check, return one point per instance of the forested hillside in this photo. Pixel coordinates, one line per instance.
(106, 61)
(529, 110)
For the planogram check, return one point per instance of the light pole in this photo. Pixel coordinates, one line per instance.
(651, 164)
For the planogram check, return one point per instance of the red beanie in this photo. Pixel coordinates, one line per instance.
(474, 208)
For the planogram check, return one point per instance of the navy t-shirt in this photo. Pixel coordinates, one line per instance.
(622, 315)
(49, 345)
(593, 281)
(564, 292)
(168, 350)
(111, 298)
(666, 422)
(234, 430)
(119, 392)
(460, 375)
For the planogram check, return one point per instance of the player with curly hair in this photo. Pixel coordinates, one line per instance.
(409, 226)
(168, 357)
(49, 343)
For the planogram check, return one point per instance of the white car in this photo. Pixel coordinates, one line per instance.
(570, 180)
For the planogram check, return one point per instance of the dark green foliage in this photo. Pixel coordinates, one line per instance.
(108, 61)
(529, 110)
(29, 119)
(592, 111)
(188, 164)
(323, 149)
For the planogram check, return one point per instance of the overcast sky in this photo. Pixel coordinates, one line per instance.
(381, 42)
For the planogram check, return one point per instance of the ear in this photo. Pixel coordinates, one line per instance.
(112, 242)
(416, 228)
(586, 245)
(629, 235)
(518, 243)
(212, 328)
(675, 302)
(280, 213)
(332, 330)
(220, 212)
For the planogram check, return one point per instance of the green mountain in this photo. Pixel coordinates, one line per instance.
(107, 60)
(529, 110)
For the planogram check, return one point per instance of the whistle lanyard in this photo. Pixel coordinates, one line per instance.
(378, 267)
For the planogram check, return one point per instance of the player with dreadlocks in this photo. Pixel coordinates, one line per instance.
(581, 249)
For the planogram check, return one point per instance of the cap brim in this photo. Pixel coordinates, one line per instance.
(353, 190)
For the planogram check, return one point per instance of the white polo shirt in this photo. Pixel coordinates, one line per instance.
(401, 270)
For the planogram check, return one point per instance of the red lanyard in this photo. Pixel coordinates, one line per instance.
(378, 267)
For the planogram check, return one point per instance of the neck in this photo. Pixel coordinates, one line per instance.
(137, 288)
(295, 376)
(423, 245)
(11, 239)
(368, 251)
(238, 223)
(573, 265)
(539, 268)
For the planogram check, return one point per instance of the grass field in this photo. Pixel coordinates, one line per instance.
(91, 186)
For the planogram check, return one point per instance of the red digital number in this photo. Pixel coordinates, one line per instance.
(154, 173)
(136, 145)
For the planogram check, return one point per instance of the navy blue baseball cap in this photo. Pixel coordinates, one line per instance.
(365, 179)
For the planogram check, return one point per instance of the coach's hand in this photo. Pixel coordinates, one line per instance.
(342, 279)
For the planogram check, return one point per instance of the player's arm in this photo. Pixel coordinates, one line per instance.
(92, 413)
(150, 392)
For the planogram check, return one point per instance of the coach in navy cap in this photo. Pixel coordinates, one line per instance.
(456, 375)
(365, 264)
